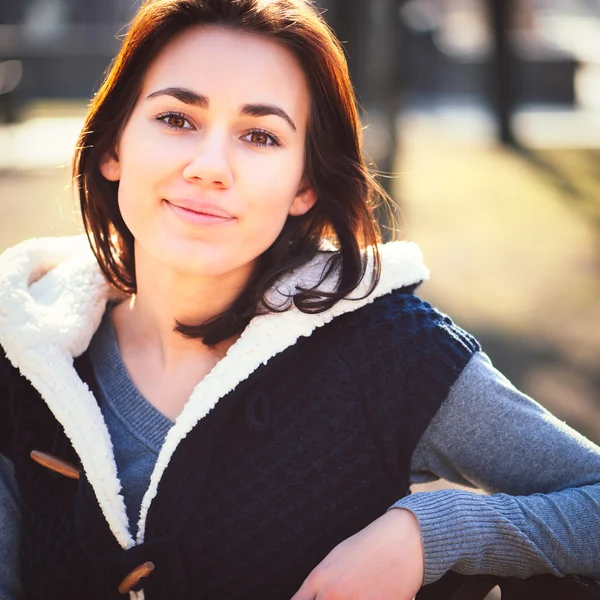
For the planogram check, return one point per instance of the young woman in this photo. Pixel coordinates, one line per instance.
(231, 393)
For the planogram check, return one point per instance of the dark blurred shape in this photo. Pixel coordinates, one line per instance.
(485, 52)
(371, 32)
(11, 12)
(59, 62)
(11, 72)
(63, 46)
(501, 86)
(106, 11)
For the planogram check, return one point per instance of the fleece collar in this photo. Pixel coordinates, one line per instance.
(52, 298)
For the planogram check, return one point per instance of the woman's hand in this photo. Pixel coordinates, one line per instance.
(384, 561)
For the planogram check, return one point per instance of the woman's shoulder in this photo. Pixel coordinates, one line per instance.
(403, 314)
(385, 314)
(399, 333)
(48, 251)
(52, 293)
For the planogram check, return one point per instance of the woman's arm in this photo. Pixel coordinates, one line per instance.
(544, 514)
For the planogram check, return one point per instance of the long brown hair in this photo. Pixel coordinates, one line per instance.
(334, 165)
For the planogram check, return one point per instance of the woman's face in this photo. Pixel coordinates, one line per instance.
(211, 161)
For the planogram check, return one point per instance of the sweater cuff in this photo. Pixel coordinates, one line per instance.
(472, 534)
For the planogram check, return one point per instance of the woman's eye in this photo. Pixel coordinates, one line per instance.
(174, 120)
(261, 138)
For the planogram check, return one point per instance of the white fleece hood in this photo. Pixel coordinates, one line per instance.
(52, 298)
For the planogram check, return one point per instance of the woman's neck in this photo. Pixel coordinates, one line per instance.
(163, 298)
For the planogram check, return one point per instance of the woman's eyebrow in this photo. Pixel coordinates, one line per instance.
(183, 95)
(254, 110)
(263, 110)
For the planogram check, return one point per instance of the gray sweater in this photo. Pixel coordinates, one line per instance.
(486, 434)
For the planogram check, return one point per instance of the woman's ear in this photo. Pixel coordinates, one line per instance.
(303, 202)
(110, 167)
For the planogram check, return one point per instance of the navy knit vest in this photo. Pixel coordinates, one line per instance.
(311, 448)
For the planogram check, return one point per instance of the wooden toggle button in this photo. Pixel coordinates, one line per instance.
(134, 577)
(55, 464)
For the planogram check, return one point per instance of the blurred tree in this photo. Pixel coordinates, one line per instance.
(502, 90)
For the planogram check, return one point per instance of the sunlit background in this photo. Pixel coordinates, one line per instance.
(488, 111)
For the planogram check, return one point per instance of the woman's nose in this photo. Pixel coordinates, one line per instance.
(209, 163)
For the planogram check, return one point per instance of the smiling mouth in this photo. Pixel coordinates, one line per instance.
(199, 216)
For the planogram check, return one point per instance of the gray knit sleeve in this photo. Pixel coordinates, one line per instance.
(544, 511)
(10, 521)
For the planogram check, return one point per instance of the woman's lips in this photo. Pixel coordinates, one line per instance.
(200, 215)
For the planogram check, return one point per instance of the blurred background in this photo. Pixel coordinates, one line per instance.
(488, 113)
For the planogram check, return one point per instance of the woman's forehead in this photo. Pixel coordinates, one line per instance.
(230, 66)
